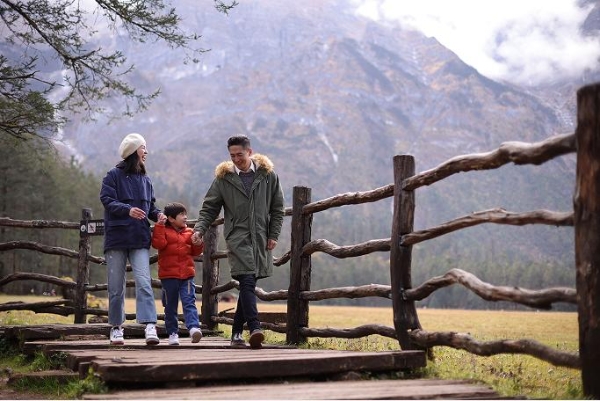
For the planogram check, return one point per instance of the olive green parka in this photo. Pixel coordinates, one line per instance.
(249, 221)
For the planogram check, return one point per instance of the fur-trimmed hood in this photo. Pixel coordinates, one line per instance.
(260, 161)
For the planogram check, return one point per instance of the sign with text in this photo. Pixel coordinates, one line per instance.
(92, 227)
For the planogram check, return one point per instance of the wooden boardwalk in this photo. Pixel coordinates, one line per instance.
(212, 370)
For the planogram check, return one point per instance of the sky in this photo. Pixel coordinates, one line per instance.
(526, 42)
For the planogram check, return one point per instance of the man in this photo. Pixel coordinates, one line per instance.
(249, 192)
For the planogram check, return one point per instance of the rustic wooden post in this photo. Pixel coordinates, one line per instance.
(83, 270)
(210, 279)
(405, 313)
(586, 204)
(300, 267)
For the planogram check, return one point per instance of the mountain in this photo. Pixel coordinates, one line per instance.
(331, 97)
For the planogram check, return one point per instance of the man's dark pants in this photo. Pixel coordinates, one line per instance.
(246, 310)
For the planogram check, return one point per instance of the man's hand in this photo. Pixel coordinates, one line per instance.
(196, 238)
(271, 244)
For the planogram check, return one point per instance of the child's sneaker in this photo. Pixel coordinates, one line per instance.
(237, 341)
(196, 334)
(116, 336)
(151, 336)
(173, 339)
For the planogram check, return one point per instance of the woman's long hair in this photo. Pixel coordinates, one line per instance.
(132, 164)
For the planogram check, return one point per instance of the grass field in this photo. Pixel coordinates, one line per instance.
(510, 375)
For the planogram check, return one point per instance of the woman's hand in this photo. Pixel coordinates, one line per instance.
(137, 213)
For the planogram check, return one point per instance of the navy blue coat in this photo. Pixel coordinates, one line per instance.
(120, 192)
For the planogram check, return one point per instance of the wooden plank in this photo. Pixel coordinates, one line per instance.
(363, 389)
(133, 344)
(213, 358)
(156, 354)
(202, 364)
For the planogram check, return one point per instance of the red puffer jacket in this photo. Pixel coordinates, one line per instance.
(175, 252)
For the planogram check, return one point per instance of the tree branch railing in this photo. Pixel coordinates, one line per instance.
(468, 343)
(497, 216)
(350, 198)
(516, 152)
(8, 222)
(355, 332)
(349, 251)
(540, 299)
(47, 249)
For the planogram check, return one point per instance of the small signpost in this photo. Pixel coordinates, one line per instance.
(92, 227)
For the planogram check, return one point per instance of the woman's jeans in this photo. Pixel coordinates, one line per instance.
(246, 310)
(173, 290)
(116, 261)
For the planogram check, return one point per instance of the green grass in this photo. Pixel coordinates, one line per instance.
(510, 374)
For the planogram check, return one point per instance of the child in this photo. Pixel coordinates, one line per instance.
(173, 239)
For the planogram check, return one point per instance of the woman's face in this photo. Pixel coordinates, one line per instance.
(142, 153)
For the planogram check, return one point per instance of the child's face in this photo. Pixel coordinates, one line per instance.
(180, 221)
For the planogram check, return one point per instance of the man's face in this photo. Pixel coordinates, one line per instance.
(240, 156)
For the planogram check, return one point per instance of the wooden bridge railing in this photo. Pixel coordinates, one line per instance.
(407, 329)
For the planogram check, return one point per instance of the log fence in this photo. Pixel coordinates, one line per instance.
(407, 330)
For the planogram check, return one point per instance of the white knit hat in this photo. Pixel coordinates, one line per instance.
(131, 143)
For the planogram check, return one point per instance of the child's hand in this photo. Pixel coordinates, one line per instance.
(162, 219)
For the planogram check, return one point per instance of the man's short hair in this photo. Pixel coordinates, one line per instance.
(238, 140)
(173, 209)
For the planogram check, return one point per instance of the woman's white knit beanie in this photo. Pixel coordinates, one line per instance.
(131, 144)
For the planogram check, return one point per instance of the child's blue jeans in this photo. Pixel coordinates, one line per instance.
(174, 289)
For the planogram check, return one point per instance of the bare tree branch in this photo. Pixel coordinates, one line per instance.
(542, 299)
(516, 152)
(468, 343)
(498, 216)
(375, 245)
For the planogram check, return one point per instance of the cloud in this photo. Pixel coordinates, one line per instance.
(526, 42)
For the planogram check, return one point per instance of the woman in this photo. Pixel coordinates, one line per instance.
(128, 198)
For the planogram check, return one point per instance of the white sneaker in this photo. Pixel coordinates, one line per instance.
(116, 336)
(237, 341)
(173, 339)
(151, 337)
(196, 334)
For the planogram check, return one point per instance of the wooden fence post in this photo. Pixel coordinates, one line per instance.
(405, 313)
(83, 270)
(300, 267)
(210, 278)
(586, 204)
